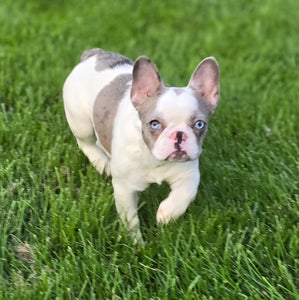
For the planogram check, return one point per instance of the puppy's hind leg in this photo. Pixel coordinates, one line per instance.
(83, 131)
(95, 155)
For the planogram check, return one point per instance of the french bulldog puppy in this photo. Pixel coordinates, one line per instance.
(133, 127)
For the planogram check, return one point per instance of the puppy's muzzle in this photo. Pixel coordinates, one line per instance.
(179, 154)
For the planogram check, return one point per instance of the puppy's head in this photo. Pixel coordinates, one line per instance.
(175, 120)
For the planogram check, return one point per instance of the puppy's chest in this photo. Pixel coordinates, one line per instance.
(106, 106)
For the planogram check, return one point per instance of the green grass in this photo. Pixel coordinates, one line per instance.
(60, 237)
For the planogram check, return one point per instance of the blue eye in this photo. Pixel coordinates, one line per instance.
(199, 125)
(155, 125)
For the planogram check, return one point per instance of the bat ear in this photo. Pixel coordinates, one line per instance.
(205, 80)
(146, 81)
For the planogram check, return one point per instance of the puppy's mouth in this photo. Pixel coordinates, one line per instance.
(178, 155)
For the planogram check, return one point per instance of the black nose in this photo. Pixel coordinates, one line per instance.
(179, 136)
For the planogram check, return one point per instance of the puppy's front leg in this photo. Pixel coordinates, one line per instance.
(183, 192)
(126, 202)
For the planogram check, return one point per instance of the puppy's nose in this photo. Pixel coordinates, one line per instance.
(178, 136)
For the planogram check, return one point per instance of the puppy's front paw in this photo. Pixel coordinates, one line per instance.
(167, 212)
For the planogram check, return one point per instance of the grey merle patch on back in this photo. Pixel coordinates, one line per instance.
(106, 59)
(105, 108)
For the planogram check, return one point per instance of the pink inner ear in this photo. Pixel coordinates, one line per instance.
(210, 91)
(205, 80)
(140, 94)
(143, 90)
(215, 98)
(146, 81)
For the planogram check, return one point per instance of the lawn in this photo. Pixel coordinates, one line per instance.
(60, 237)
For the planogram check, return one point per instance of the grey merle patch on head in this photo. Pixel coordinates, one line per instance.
(146, 112)
(105, 108)
(105, 59)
